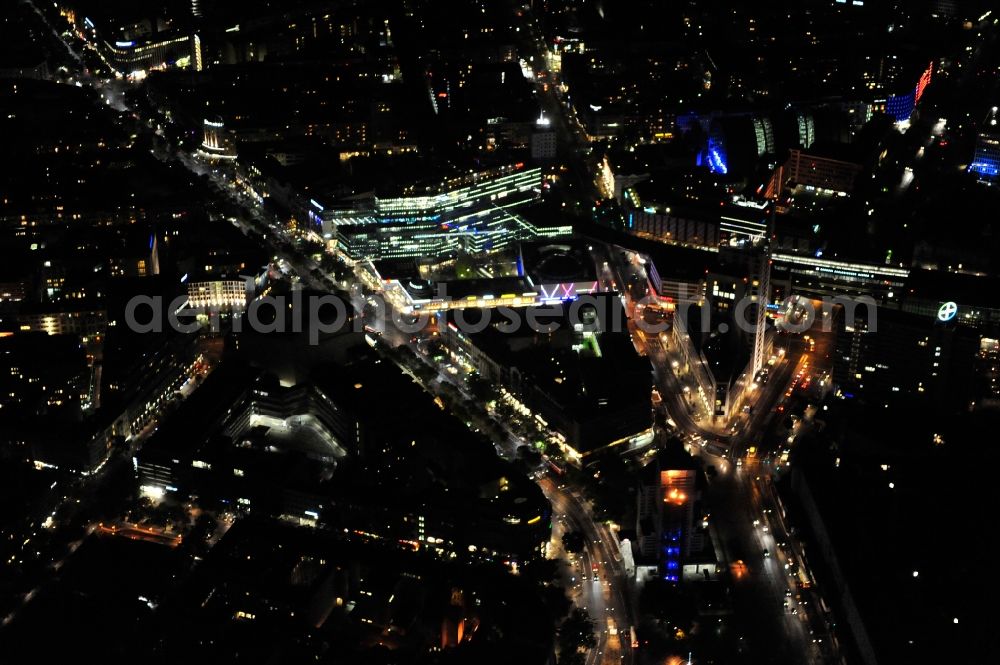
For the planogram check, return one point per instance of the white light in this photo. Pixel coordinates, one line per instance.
(947, 312)
(151, 491)
(916, 573)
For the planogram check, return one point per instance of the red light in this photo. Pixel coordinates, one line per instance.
(925, 80)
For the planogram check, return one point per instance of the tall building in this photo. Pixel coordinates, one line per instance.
(665, 514)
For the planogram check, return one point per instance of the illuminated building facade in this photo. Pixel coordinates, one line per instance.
(222, 293)
(474, 214)
(819, 277)
(665, 515)
(986, 160)
(86, 324)
(714, 155)
(704, 227)
(136, 48)
(216, 144)
(549, 273)
(158, 53)
(900, 107)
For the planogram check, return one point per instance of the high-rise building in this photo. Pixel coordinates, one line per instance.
(665, 514)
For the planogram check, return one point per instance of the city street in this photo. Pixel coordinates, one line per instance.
(600, 585)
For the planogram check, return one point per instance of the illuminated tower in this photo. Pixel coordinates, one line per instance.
(665, 511)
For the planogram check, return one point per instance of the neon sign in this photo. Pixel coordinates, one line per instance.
(947, 312)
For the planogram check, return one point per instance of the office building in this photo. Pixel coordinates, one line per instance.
(667, 493)
(819, 172)
(223, 293)
(473, 214)
(906, 357)
(818, 277)
(543, 146)
(86, 323)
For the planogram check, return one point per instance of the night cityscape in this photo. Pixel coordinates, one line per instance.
(546, 332)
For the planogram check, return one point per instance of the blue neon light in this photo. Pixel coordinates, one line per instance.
(717, 162)
(714, 156)
(900, 107)
(991, 170)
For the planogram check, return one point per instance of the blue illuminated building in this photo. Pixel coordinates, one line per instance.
(714, 156)
(986, 160)
(900, 107)
(665, 516)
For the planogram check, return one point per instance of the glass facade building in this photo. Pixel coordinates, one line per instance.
(474, 214)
